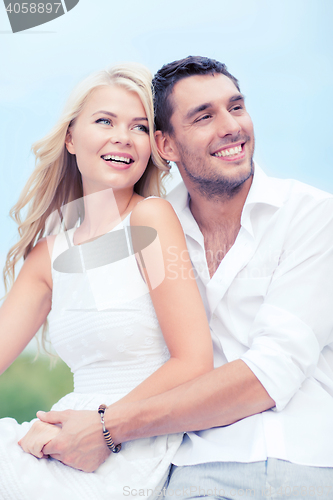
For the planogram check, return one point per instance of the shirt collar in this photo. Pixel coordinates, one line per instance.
(179, 197)
(180, 200)
(265, 196)
(263, 191)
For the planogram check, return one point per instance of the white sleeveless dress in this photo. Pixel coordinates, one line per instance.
(103, 325)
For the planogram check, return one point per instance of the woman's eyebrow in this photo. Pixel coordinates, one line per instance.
(139, 118)
(105, 113)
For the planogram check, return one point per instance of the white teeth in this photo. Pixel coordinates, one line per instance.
(116, 158)
(229, 152)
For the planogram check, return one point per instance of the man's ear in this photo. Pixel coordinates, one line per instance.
(69, 142)
(166, 146)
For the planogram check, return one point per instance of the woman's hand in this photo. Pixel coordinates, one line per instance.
(37, 437)
(80, 442)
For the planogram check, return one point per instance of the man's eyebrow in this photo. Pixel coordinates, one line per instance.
(108, 113)
(207, 105)
(237, 97)
(197, 109)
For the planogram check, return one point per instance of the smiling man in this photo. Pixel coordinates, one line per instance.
(260, 424)
(262, 251)
(210, 138)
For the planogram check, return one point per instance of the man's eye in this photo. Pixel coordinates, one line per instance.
(204, 117)
(105, 121)
(237, 108)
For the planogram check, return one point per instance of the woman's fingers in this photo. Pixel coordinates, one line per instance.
(37, 437)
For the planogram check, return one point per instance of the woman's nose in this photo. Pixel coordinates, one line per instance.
(120, 135)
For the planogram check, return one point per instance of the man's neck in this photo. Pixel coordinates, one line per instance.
(219, 221)
(210, 213)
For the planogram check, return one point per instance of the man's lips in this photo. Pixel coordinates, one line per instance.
(232, 152)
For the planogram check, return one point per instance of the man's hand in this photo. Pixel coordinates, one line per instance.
(80, 442)
(37, 437)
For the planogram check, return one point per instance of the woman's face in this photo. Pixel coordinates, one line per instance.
(110, 139)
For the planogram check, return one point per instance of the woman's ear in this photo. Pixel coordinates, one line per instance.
(69, 142)
(166, 146)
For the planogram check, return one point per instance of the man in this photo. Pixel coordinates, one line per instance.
(263, 257)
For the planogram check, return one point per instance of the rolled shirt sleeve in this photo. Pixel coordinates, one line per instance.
(295, 321)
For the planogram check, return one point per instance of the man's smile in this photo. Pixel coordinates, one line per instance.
(231, 153)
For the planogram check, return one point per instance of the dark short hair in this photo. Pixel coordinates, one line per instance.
(166, 78)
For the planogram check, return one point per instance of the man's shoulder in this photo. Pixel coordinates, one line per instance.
(301, 189)
(303, 205)
(285, 187)
(292, 191)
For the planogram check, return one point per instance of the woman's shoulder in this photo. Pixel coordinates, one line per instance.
(152, 209)
(37, 263)
(157, 213)
(42, 248)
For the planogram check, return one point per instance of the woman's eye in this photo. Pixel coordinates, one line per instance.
(104, 121)
(142, 128)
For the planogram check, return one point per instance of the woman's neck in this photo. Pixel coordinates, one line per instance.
(104, 210)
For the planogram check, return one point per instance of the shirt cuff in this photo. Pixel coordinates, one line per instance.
(283, 353)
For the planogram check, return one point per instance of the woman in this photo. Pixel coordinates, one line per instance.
(114, 277)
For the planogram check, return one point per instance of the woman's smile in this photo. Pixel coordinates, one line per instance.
(118, 160)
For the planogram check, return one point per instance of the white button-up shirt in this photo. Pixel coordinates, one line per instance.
(270, 303)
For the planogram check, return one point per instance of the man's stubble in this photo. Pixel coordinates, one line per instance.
(212, 184)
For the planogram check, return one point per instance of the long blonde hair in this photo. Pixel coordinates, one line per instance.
(56, 179)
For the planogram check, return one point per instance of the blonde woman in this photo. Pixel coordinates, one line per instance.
(110, 271)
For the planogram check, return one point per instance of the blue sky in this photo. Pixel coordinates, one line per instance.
(281, 52)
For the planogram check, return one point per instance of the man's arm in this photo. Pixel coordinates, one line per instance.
(220, 397)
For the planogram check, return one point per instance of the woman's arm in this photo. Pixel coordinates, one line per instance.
(184, 324)
(176, 300)
(26, 306)
(23, 312)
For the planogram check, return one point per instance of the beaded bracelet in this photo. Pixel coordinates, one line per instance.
(106, 434)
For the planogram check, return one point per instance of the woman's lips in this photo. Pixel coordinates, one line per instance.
(119, 161)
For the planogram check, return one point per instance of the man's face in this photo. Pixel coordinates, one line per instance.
(213, 140)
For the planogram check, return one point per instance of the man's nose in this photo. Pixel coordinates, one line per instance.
(228, 125)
